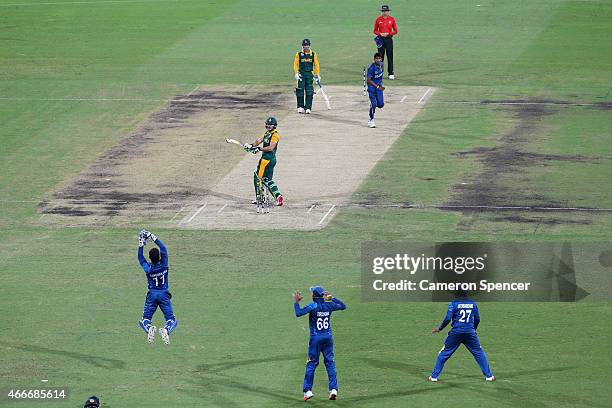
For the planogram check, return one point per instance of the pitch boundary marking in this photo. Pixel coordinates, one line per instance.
(177, 213)
(326, 214)
(197, 212)
(424, 95)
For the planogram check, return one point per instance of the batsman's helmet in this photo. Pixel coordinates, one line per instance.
(305, 41)
(271, 121)
(92, 402)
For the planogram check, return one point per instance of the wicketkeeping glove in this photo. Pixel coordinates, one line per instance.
(152, 237)
(298, 77)
(142, 242)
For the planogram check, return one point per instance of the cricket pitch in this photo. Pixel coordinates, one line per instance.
(177, 170)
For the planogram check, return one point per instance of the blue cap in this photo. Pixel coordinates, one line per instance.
(317, 290)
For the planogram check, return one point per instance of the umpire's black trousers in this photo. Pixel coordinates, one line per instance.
(387, 48)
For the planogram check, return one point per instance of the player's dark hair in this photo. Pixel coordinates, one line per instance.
(461, 293)
(154, 255)
(378, 55)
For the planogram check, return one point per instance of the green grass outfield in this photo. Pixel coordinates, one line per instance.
(75, 77)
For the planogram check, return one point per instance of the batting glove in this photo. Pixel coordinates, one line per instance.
(298, 77)
(254, 149)
(318, 78)
(248, 147)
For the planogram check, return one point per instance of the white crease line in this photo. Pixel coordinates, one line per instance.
(177, 213)
(221, 209)
(311, 208)
(326, 214)
(57, 3)
(424, 95)
(197, 212)
(193, 90)
(404, 98)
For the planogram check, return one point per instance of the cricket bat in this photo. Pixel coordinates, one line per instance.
(324, 94)
(234, 141)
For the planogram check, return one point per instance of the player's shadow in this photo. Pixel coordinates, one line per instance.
(230, 364)
(215, 379)
(102, 362)
(501, 394)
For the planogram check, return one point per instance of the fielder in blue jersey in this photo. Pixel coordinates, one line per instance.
(321, 339)
(158, 294)
(465, 319)
(375, 87)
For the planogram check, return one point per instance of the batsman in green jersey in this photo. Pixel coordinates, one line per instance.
(265, 167)
(305, 64)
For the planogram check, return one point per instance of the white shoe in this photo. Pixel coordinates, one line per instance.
(430, 378)
(492, 378)
(333, 394)
(164, 335)
(307, 395)
(392, 77)
(308, 111)
(300, 110)
(371, 124)
(151, 334)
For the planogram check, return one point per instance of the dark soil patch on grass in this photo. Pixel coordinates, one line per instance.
(503, 180)
(177, 144)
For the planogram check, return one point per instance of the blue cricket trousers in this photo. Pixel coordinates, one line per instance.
(316, 346)
(377, 100)
(452, 342)
(161, 298)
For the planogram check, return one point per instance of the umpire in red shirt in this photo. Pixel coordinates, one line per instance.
(385, 28)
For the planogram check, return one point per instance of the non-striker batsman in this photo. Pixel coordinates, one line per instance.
(305, 64)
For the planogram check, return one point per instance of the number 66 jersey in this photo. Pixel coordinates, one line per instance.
(320, 315)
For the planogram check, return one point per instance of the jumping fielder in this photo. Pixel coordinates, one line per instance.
(465, 317)
(321, 339)
(375, 88)
(158, 294)
(304, 63)
(265, 167)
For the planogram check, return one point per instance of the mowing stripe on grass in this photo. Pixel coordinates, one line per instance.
(61, 3)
